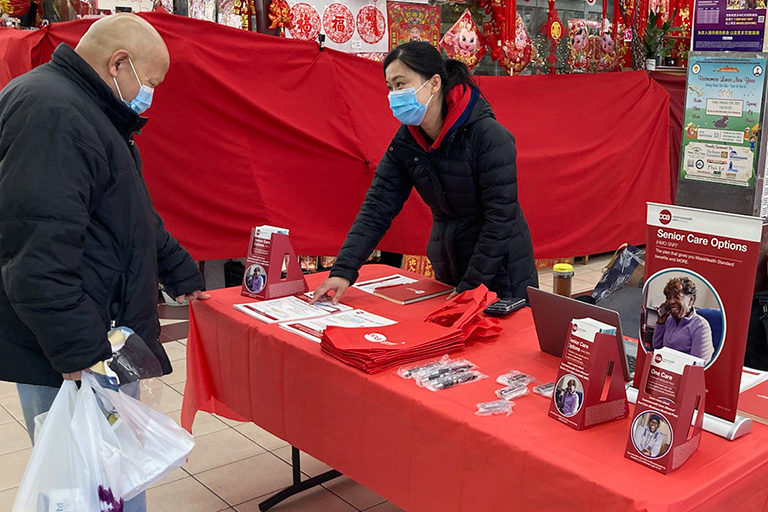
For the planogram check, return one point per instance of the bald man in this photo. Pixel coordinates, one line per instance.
(80, 244)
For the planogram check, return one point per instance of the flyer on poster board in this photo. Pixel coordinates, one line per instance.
(699, 278)
(729, 25)
(721, 129)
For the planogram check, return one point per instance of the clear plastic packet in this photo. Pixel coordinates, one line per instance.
(514, 377)
(409, 372)
(434, 370)
(512, 392)
(452, 378)
(495, 408)
(545, 390)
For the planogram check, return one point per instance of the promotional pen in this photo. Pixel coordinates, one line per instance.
(449, 369)
(458, 379)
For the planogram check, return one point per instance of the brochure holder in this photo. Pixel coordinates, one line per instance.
(679, 421)
(596, 368)
(263, 277)
(721, 427)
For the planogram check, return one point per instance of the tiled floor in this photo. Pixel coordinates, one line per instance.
(234, 466)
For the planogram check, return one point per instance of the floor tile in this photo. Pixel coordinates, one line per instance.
(179, 374)
(176, 474)
(309, 465)
(13, 465)
(162, 398)
(13, 437)
(186, 494)
(7, 389)
(316, 499)
(353, 493)
(384, 507)
(6, 498)
(247, 479)
(13, 406)
(174, 331)
(175, 351)
(220, 448)
(205, 423)
(261, 436)
(171, 321)
(6, 417)
(232, 423)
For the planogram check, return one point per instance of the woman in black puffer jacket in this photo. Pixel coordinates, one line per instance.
(462, 162)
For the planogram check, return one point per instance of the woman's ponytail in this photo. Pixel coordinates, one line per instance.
(457, 73)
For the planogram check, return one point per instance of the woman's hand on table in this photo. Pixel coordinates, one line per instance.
(338, 285)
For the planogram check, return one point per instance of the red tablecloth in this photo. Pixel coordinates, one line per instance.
(428, 451)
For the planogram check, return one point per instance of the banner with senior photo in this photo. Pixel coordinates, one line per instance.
(699, 281)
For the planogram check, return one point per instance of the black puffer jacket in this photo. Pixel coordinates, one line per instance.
(469, 181)
(80, 243)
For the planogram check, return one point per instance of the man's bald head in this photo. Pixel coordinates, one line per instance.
(112, 41)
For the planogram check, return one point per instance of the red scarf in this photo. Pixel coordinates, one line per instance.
(458, 100)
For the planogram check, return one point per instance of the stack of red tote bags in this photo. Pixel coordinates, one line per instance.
(447, 329)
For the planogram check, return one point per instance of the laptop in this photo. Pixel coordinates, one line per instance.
(552, 315)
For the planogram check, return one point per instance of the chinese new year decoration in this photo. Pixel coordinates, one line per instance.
(413, 22)
(245, 9)
(280, 15)
(464, 42)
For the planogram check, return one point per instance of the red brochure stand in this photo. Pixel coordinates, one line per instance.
(670, 400)
(264, 265)
(592, 371)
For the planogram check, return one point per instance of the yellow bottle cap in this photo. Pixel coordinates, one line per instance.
(563, 268)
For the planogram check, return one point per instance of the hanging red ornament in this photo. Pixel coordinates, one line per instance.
(463, 41)
(244, 9)
(280, 15)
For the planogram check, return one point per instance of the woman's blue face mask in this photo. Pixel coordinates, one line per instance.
(406, 107)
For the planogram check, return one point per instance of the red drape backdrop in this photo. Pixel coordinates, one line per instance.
(674, 84)
(249, 129)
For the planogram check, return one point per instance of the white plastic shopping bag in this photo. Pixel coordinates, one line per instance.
(57, 477)
(97, 449)
(138, 449)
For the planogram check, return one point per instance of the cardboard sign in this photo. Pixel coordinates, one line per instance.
(699, 276)
(269, 250)
(662, 435)
(590, 386)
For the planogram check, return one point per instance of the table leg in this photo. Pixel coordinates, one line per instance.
(298, 485)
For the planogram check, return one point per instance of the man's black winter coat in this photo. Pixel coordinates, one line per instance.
(80, 242)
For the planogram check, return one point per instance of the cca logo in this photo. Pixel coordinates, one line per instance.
(657, 358)
(573, 328)
(665, 216)
(375, 337)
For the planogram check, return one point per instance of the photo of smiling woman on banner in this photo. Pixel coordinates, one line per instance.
(682, 312)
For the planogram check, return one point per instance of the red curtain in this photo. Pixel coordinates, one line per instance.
(675, 87)
(249, 129)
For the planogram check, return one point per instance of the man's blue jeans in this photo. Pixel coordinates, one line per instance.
(38, 399)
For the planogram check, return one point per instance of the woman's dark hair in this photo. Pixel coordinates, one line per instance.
(682, 285)
(427, 62)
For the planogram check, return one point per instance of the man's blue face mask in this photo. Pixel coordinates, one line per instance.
(143, 99)
(406, 107)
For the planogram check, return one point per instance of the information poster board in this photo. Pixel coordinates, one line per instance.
(699, 277)
(722, 126)
(729, 25)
